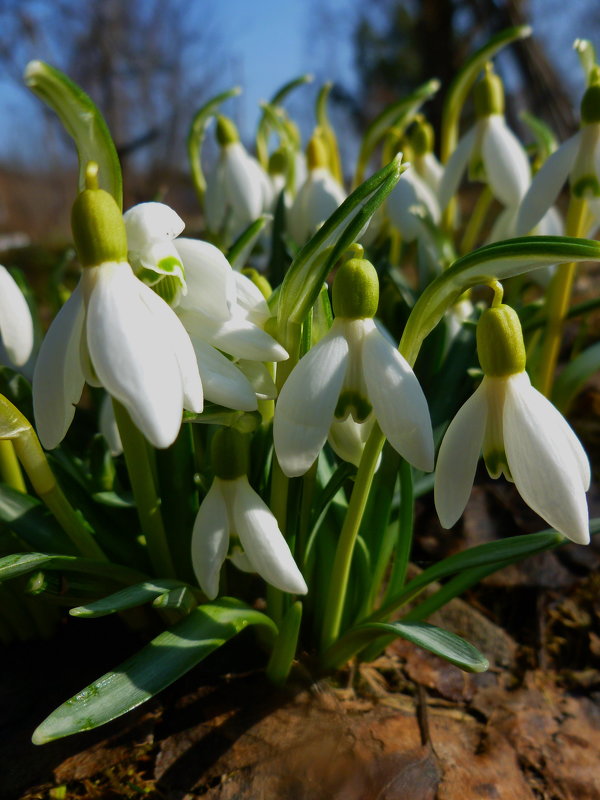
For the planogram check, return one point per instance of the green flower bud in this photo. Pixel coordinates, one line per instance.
(356, 290)
(229, 454)
(500, 345)
(261, 283)
(488, 94)
(590, 104)
(227, 133)
(316, 153)
(422, 137)
(278, 162)
(97, 224)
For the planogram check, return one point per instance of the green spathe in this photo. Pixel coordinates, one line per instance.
(356, 290)
(98, 227)
(500, 344)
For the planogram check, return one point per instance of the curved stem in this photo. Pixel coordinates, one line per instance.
(10, 470)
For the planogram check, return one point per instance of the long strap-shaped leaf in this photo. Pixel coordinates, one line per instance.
(153, 668)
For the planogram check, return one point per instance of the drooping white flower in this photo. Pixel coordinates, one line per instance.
(424, 160)
(115, 332)
(16, 326)
(407, 204)
(233, 510)
(521, 434)
(576, 160)
(354, 370)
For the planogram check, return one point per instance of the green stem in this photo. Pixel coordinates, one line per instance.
(284, 650)
(338, 586)
(143, 484)
(476, 220)
(10, 471)
(559, 297)
(405, 530)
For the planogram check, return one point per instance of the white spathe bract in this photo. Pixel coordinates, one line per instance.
(352, 370)
(578, 160)
(495, 155)
(232, 508)
(116, 332)
(317, 199)
(16, 326)
(523, 435)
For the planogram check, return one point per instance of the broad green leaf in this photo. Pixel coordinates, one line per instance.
(21, 563)
(398, 116)
(32, 522)
(82, 121)
(181, 598)
(462, 83)
(166, 658)
(196, 135)
(130, 597)
(574, 377)
(492, 262)
(442, 643)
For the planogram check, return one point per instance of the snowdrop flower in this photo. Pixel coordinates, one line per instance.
(408, 202)
(318, 197)
(16, 326)
(354, 370)
(521, 433)
(220, 309)
(577, 159)
(490, 149)
(238, 190)
(115, 332)
(232, 509)
(425, 162)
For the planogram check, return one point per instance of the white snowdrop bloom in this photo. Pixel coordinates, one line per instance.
(490, 150)
(238, 189)
(318, 197)
(115, 332)
(353, 370)
(407, 204)
(521, 434)
(576, 160)
(233, 510)
(220, 309)
(16, 325)
(423, 159)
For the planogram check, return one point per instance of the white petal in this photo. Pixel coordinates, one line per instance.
(455, 168)
(260, 379)
(263, 542)
(551, 224)
(147, 222)
(132, 355)
(506, 164)
(546, 460)
(398, 400)
(210, 540)
(430, 169)
(243, 186)
(209, 277)
(546, 185)
(251, 300)
(504, 225)
(317, 199)
(58, 377)
(223, 382)
(410, 192)
(348, 438)
(215, 202)
(307, 401)
(108, 426)
(181, 347)
(458, 457)
(235, 336)
(16, 326)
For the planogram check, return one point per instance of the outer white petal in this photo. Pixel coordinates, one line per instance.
(58, 377)
(263, 542)
(243, 185)
(181, 347)
(307, 401)
(209, 277)
(551, 224)
(546, 185)
(251, 300)
(316, 200)
(210, 540)
(506, 164)
(504, 225)
(132, 355)
(430, 169)
(546, 460)
(458, 457)
(16, 326)
(151, 222)
(223, 382)
(411, 191)
(455, 168)
(398, 400)
(260, 379)
(235, 336)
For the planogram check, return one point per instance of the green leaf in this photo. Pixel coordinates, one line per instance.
(130, 597)
(397, 116)
(240, 249)
(32, 522)
(462, 83)
(442, 643)
(21, 563)
(492, 262)
(166, 658)
(574, 377)
(82, 121)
